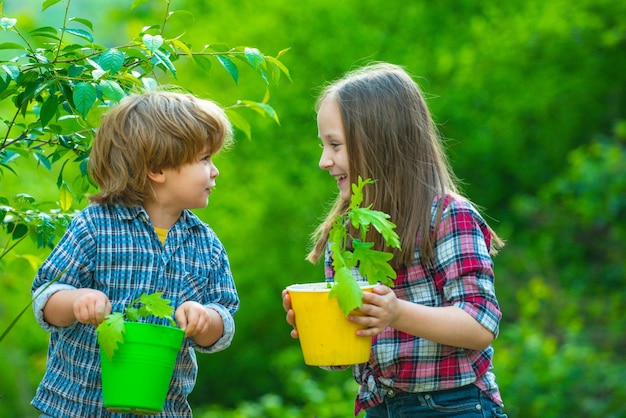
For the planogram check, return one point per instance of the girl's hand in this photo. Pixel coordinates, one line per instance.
(291, 316)
(90, 306)
(380, 309)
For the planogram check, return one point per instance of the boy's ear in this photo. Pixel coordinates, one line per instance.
(156, 176)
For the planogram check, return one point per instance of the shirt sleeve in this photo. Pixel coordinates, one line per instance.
(463, 266)
(40, 298)
(221, 296)
(66, 268)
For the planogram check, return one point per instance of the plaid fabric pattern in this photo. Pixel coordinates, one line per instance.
(116, 250)
(461, 275)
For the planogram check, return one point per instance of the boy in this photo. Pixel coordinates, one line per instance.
(152, 160)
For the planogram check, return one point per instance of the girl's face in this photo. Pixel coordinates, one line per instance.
(334, 153)
(189, 186)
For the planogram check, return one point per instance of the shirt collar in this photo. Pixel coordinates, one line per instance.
(187, 219)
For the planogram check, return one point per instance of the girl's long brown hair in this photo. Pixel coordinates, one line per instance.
(392, 138)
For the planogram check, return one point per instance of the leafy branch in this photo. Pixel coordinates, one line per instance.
(57, 81)
(372, 264)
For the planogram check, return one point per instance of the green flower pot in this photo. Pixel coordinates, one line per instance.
(136, 380)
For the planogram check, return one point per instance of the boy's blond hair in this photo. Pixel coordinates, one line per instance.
(148, 132)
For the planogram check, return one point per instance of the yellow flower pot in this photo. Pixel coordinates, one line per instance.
(327, 338)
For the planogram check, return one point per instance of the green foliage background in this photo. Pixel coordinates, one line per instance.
(530, 96)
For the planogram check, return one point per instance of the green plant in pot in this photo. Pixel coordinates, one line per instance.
(138, 358)
(327, 338)
(372, 264)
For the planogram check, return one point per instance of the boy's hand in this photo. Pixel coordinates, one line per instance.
(194, 318)
(91, 306)
(291, 315)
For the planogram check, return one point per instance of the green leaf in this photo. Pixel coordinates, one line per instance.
(13, 71)
(111, 60)
(42, 160)
(44, 30)
(178, 44)
(262, 109)
(149, 83)
(65, 197)
(84, 97)
(33, 88)
(357, 192)
(80, 33)
(347, 290)
(137, 3)
(364, 217)
(279, 68)
(230, 66)
(7, 23)
(48, 110)
(153, 43)
(254, 57)
(85, 22)
(373, 264)
(11, 45)
(165, 60)
(75, 70)
(96, 74)
(24, 200)
(49, 3)
(112, 90)
(19, 230)
(60, 176)
(111, 333)
(133, 314)
(8, 156)
(203, 63)
(45, 230)
(239, 122)
(155, 305)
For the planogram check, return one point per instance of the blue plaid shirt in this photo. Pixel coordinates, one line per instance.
(116, 250)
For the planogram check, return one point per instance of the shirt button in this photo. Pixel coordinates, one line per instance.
(427, 396)
(479, 406)
(390, 393)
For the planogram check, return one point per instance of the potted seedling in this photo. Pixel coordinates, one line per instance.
(138, 358)
(327, 338)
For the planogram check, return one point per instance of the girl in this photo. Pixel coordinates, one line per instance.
(431, 351)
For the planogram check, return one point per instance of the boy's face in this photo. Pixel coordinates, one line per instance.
(334, 151)
(189, 186)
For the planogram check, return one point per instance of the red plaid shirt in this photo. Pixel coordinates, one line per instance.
(461, 275)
